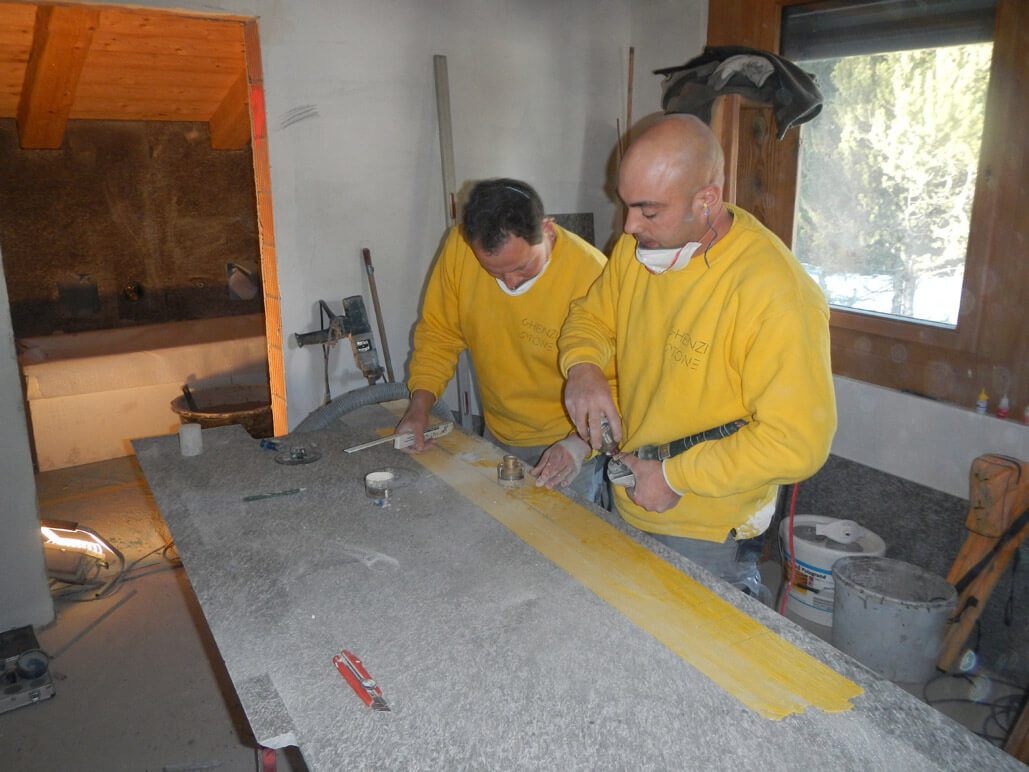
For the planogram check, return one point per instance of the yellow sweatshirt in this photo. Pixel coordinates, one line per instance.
(512, 340)
(746, 338)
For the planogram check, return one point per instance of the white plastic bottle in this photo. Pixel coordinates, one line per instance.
(982, 402)
(1003, 407)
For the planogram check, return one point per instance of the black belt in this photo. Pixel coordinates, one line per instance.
(619, 474)
(675, 447)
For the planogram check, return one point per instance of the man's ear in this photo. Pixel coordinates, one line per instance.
(709, 196)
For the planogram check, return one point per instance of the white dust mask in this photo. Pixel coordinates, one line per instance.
(671, 259)
(524, 287)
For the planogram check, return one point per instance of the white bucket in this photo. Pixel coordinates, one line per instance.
(891, 615)
(819, 542)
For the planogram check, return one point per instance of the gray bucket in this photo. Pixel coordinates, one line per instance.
(891, 615)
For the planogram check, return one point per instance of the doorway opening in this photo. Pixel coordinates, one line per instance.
(136, 221)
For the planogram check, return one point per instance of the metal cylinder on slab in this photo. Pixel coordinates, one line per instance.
(510, 472)
(378, 485)
(890, 615)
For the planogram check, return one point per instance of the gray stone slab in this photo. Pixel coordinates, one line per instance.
(489, 655)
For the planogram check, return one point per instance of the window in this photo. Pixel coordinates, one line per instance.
(888, 170)
(989, 346)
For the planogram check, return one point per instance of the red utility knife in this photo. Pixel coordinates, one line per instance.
(351, 668)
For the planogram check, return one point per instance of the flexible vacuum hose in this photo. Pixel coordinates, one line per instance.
(323, 416)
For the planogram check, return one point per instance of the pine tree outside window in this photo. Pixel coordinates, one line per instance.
(888, 170)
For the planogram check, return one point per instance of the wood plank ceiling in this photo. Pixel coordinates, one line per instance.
(60, 63)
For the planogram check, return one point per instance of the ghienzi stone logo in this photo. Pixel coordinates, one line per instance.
(539, 335)
(683, 349)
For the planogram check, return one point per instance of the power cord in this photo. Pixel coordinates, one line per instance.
(101, 590)
(787, 584)
(1003, 711)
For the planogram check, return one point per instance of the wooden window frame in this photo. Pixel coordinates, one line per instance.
(962, 336)
(895, 352)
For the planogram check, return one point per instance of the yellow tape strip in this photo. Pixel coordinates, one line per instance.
(749, 661)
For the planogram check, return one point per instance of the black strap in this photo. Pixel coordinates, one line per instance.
(1009, 605)
(972, 574)
(675, 447)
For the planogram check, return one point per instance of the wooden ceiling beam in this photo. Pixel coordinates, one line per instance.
(60, 44)
(230, 123)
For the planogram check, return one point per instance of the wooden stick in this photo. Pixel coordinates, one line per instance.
(378, 311)
(463, 371)
(1018, 741)
(628, 107)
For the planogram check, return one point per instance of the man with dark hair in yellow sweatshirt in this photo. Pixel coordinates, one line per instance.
(501, 288)
(713, 322)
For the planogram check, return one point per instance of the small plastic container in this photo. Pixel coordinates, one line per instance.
(982, 402)
(379, 485)
(191, 440)
(1003, 407)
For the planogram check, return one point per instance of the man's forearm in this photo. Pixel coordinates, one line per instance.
(583, 343)
(421, 401)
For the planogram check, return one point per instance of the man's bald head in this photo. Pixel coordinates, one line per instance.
(680, 145)
(671, 183)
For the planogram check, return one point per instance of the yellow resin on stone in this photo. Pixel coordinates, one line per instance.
(749, 661)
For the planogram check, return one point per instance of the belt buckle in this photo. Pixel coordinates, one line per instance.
(652, 452)
(619, 474)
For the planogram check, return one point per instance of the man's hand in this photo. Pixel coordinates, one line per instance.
(651, 491)
(561, 462)
(588, 399)
(416, 419)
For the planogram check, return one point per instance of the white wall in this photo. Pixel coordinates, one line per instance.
(535, 90)
(24, 594)
(918, 439)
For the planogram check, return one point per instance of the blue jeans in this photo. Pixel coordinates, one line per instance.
(734, 561)
(731, 560)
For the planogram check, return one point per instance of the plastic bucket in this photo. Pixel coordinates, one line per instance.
(890, 615)
(247, 405)
(811, 592)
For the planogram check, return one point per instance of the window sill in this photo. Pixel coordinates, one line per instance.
(913, 331)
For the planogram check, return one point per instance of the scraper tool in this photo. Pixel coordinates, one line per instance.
(352, 669)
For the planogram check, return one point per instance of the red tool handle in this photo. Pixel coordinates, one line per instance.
(351, 668)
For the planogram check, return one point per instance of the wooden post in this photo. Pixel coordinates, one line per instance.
(725, 123)
(998, 495)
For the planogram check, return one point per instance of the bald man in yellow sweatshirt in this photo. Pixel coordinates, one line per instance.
(713, 322)
(501, 288)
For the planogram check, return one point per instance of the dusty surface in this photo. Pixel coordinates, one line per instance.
(488, 654)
